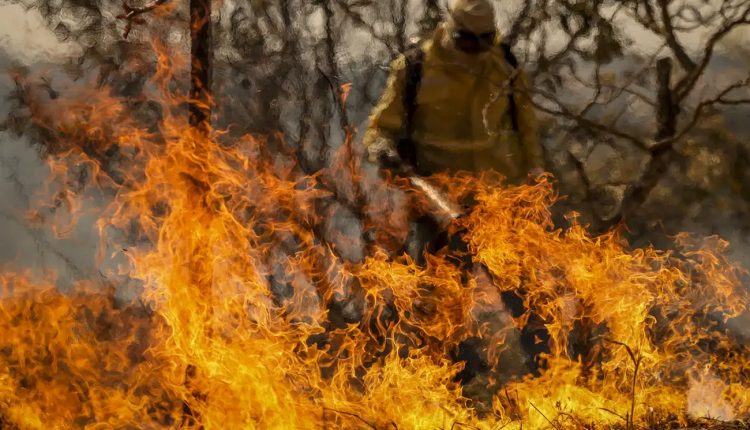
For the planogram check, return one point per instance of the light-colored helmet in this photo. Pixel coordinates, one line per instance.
(476, 16)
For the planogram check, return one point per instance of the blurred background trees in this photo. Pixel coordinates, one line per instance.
(642, 101)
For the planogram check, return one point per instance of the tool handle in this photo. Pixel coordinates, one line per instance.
(442, 208)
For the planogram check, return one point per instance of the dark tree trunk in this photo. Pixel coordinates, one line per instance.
(667, 109)
(200, 66)
(333, 74)
(663, 154)
(199, 118)
(400, 10)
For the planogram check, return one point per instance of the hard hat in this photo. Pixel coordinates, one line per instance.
(476, 16)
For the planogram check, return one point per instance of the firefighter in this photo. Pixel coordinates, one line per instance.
(457, 102)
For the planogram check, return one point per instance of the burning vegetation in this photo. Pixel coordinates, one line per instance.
(222, 300)
(233, 327)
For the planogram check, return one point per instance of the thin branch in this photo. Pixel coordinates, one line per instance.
(597, 91)
(463, 425)
(618, 90)
(365, 24)
(614, 413)
(132, 14)
(506, 425)
(372, 426)
(515, 29)
(565, 112)
(330, 53)
(734, 102)
(698, 112)
(669, 34)
(516, 414)
(618, 116)
(576, 420)
(400, 20)
(686, 85)
(637, 363)
(44, 245)
(545, 417)
(650, 15)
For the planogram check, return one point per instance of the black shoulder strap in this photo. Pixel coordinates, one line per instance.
(413, 77)
(512, 107)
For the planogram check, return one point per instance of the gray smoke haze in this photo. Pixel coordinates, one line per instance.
(36, 248)
(24, 39)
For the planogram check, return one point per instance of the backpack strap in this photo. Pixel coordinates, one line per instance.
(414, 64)
(512, 107)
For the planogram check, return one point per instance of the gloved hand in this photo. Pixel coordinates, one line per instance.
(390, 159)
(383, 152)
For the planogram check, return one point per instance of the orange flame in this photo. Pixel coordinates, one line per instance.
(345, 90)
(232, 328)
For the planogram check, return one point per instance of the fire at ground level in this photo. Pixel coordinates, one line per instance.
(241, 316)
(236, 324)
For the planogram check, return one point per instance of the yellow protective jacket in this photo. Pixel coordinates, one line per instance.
(462, 120)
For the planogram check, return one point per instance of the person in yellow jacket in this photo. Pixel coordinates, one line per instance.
(459, 102)
(469, 110)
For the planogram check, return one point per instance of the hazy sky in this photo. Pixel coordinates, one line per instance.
(24, 36)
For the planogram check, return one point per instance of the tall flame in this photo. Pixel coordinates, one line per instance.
(230, 324)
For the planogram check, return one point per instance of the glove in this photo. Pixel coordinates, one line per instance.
(383, 152)
(390, 160)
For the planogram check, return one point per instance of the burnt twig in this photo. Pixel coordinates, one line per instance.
(349, 414)
(636, 358)
(132, 14)
(455, 424)
(545, 417)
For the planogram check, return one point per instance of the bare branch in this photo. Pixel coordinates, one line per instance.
(132, 14)
(597, 91)
(400, 22)
(669, 34)
(636, 358)
(614, 413)
(565, 112)
(515, 29)
(330, 53)
(349, 414)
(686, 85)
(359, 21)
(650, 16)
(721, 99)
(460, 424)
(544, 416)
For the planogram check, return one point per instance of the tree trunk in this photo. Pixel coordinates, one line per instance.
(200, 118)
(200, 64)
(400, 12)
(199, 113)
(663, 155)
(667, 109)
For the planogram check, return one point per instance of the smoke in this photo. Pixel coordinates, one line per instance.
(26, 42)
(25, 38)
(705, 399)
